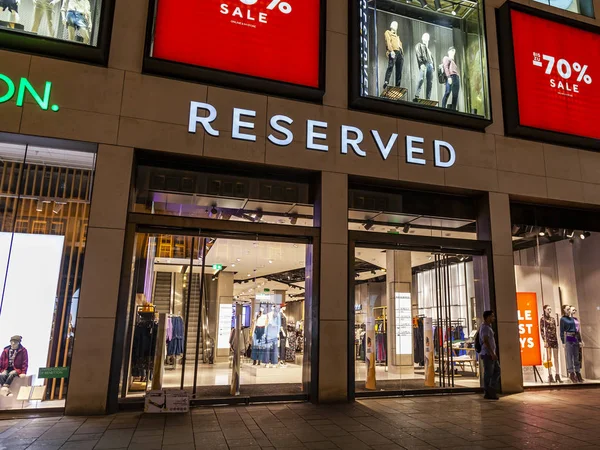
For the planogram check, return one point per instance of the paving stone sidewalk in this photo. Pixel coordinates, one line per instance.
(536, 419)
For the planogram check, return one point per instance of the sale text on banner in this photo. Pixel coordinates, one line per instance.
(529, 329)
(273, 39)
(558, 75)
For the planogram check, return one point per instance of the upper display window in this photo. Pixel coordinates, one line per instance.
(67, 20)
(431, 54)
(583, 7)
(269, 40)
(557, 75)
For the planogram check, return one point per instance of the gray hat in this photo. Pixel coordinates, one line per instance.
(16, 338)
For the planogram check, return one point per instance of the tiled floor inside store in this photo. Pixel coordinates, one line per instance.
(556, 419)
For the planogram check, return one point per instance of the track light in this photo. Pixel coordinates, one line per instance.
(406, 228)
(368, 225)
(585, 234)
(542, 233)
(570, 233)
(40, 206)
(293, 219)
(58, 206)
(214, 211)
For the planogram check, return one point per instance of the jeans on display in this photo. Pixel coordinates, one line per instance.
(258, 344)
(398, 62)
(76, 19)
(453, 89)
(7, 377)
(425, 74)
(572, 356)
(491, 374)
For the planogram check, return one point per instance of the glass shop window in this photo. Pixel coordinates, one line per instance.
(556, 271)
(67, 20)
(426, 52)
(583, 7)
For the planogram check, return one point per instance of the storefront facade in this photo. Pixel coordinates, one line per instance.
(386, 184)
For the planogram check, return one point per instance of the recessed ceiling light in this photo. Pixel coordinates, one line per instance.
(270, 261)
(238, 260)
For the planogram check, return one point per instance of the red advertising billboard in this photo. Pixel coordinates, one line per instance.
(273, 39)
(557, 70)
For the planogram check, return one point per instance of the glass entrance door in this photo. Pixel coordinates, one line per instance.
(217, 316)
(415, 316)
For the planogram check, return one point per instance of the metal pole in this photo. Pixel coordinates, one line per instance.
(449, 296)
(440, 323)
(187, 313)
(202, 272)
(235, 374)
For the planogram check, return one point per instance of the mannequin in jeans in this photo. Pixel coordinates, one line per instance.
(453, 80)
(77, 17)
(550, 338)
(569, 337)
(41, 8)
(13, 8)
(395, 54)
(425, 63)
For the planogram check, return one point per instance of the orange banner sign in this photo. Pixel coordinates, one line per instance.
(529, 329)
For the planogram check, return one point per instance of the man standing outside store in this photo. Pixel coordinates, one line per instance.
(489, 357)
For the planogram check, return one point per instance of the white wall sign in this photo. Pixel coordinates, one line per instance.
(316, 135)
(404, 333)
(225, 316)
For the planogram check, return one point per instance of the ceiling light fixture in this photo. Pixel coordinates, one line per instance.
(270, 261)
(293, 219)
(40, 206)
(368, 225)
(585, 234)
(58, 206)
(406, 228)
(214, 211)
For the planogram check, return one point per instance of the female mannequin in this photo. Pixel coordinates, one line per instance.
(568, 336)
(550, 338)
(258, 336)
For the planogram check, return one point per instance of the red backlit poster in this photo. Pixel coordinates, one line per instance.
(558, 75)
(272, 39)
(529, 329)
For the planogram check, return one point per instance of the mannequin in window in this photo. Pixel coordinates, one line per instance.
(14, 362)
(568, 336)
(41, 8)
(258, 336)
(282, 335)
(76, 15)
(453, 81)
(395, 54)
(273, 330)
(425, 64)
(550, 338)
(13, 9)
(579, 339)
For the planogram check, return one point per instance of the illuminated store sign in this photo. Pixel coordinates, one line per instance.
(8, 89)
(273, 39)
(557, 77)
(205, 114)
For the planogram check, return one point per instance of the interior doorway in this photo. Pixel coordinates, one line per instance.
(219, 315)
(415, 309)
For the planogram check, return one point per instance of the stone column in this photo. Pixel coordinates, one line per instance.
(398, 281)
(94, 335)
(331, 215)
(498, 230)
(225, 299)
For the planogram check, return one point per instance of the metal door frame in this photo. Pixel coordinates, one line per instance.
(384, 241)
(184, 226)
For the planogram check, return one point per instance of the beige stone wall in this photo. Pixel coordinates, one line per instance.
(122, 109)
(120, 106)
